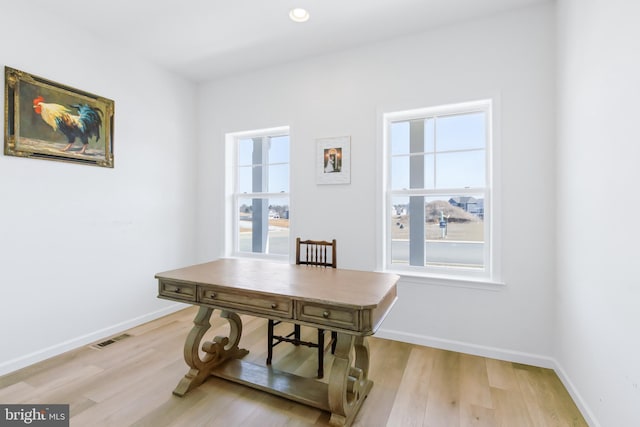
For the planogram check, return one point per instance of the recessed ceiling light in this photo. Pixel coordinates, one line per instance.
(299, 15)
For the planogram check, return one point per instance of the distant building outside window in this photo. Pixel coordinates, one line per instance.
(438, 190)
(261, 193)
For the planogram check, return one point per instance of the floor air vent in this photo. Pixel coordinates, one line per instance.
(103, 344)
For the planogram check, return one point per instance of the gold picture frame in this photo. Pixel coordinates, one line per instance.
(48, 120)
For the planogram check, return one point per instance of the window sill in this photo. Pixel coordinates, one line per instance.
(260, 257)
(449, 281)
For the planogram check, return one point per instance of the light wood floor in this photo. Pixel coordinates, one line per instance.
(129, 383)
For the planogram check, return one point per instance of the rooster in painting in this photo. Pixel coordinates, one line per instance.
(84, 124)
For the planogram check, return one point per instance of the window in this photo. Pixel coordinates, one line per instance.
(438, 190)
(261, 193)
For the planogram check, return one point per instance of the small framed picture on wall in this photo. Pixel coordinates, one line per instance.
(334, 160)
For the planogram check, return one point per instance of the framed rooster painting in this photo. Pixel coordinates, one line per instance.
(48, 120)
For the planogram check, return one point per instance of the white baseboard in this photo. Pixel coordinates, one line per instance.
(575, 395)
(496, 353)
(38, 356)
(462, 347)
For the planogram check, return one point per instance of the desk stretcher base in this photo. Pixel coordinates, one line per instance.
(343, 395)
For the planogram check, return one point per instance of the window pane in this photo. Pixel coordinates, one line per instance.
(462, 169)
(263, 225)
(245, 151)
(250, 179)
(279, 149)
(429, 176)
(279, 178)
(399, 138)
(429, 135)
(400, 172)
(461, 132)
(245, 225)
(399, 228)
(278, 242)
(454, 231)
(244, 179)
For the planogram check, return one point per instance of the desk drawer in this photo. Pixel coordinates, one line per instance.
(177, 291)
(344, 318)
(252, 303)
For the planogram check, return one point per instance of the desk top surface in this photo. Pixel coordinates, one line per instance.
(361, 289)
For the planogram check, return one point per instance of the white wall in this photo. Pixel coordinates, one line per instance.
(79, 245)
(598, 344)
(509, 57)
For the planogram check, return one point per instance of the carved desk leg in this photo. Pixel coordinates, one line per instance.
(216, 352)
(348, 385)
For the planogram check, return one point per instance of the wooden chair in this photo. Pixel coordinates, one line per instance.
(318, 253)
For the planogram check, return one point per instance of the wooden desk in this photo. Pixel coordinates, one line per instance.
(352, 303)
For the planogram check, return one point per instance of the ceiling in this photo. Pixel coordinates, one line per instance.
(205, 39)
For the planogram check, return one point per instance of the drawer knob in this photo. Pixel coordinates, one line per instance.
(325, 314)
(274, 305)
(213, 295)
(177, 290)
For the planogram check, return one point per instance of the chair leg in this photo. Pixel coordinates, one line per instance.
(296, 333)
(334, 341)
(270, 341)
(320, 353)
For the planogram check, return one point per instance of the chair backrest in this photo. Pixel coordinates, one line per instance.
(316, 252)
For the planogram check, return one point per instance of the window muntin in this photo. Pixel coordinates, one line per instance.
(261, 193)
(438, 190)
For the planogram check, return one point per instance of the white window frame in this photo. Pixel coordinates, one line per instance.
(232, 244)
(490, 275)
